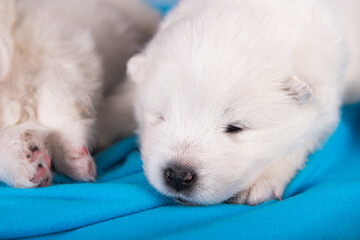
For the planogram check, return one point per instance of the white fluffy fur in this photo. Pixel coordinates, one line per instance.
(59, 61)
(275, 68)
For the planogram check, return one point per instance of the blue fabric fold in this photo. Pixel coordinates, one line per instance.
(322, 201)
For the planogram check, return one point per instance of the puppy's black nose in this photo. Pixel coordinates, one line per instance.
(179, 177)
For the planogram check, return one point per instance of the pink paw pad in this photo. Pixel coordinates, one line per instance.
(41, 172)
(81, 153)
(84, 151)
(42, 175)
(35, 154)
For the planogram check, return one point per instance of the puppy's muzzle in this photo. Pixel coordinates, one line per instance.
(180, 177)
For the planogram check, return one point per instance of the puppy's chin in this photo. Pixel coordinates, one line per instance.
(185, 202)
(192, 200)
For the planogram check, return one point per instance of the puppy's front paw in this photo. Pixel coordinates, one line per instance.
(261, 191)
(273, 180)
(31, 167)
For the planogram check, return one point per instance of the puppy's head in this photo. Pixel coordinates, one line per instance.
(213, 116)
(7, 21)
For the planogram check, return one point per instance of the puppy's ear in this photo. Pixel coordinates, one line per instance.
(7, 21)
(299, 90)
(135, 67)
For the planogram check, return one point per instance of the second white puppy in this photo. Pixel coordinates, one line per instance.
(233, 95)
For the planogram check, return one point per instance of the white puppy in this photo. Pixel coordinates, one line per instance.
(58, 60)
(233, 95)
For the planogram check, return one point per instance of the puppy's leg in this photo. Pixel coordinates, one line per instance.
(272, 182)
(24, 158)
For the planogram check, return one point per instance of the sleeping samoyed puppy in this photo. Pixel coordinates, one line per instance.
(58, 60)
(233, 95)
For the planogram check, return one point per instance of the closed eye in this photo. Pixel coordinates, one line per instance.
(152, 117)
(231, 128)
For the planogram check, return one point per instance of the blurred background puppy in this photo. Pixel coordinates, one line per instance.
(59, 61)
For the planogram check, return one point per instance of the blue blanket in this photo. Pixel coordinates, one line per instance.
(322, 202)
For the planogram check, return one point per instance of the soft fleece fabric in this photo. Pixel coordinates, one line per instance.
(322, 202)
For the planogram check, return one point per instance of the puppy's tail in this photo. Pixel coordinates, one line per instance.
(144, 17)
